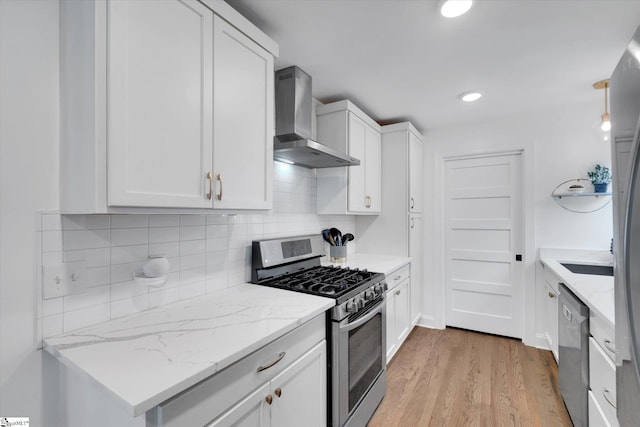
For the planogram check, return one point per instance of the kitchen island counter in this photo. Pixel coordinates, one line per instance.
(146, 358)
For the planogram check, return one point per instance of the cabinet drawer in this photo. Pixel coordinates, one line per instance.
(603, 334)
(602, 381)
(203, 402)
(398, 276)
(596, 417)
(550, 278)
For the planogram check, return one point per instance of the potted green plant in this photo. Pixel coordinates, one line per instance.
(600, 178)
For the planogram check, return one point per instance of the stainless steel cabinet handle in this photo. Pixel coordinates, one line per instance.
(367, 201)
(269, 399)
(412, 223)
(609, 345)
(552, 295)
(606, 394)
(220, 179)
(412, 203)
(210, 178)
(396, 278)
(280, 357)
(278, 392)
(397, 292)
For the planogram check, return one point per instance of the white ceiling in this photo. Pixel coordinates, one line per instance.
(399, 59)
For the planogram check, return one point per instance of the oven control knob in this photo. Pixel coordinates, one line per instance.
(369, 295)
(379, 289)
(352, 306)
(361, 302)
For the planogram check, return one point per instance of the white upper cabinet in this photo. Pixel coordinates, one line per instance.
(243, 111)
(164, 105)
(159, 92)
(353, 189)
(415, 173)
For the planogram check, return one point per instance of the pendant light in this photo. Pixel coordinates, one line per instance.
(605, 126)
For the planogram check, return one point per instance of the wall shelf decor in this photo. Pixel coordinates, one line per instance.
(577, 195)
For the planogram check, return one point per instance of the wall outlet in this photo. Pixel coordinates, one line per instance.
(64, 279)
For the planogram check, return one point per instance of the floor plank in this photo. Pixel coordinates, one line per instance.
(454, 377)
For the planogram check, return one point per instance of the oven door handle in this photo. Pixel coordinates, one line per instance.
(374, 311)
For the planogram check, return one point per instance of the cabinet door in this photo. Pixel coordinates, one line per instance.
(159, 83)
(415, 174)
(416, 252)
(253, 411)
(243, 120)
(392, 338)
(373, 171)
(402, 296)
(552, 319)
(357, 174)
(300, 391)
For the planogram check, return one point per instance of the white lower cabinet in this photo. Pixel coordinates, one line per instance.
(551, 292)
(398, 309)
(602, 382)
(551, 334)
(290, 399)
(596, 416)
(282, 384)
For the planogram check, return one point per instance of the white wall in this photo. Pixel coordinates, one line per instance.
(559, 145)
(29, 123)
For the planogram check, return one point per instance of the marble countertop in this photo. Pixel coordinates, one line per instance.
(373, 262)
(148, 357)
(597, 292)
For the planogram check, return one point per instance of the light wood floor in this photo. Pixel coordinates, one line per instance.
(455, 377)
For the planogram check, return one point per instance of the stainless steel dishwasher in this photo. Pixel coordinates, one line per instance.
(573, 361)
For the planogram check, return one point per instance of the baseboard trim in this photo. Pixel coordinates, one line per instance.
(428, 322)
(539, 342)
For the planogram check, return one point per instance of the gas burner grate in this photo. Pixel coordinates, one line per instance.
(322, 280)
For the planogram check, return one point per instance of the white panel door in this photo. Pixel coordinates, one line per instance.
(416, 174)
(482, 238)
(300, 391)
(243, 120)
(159, 103)
(357, 175)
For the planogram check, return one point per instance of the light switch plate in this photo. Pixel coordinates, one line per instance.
(64, 279)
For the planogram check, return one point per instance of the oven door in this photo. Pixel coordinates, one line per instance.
(359, 362)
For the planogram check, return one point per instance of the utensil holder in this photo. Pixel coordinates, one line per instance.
(338, 254)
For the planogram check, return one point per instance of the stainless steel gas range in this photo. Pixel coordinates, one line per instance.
(356, 326)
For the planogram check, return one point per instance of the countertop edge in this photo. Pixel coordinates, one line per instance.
(138, 408)
(570, 279)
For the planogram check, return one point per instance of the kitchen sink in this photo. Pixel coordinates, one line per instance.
(600, 270)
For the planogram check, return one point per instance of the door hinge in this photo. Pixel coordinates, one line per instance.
(518, 257)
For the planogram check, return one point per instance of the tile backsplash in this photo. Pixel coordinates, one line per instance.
(206, 252)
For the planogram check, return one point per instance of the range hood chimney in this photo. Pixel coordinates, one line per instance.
(292, 143)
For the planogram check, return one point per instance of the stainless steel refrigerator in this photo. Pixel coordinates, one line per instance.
(625, 115)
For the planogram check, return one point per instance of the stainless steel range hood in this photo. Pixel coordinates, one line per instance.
(292, 143)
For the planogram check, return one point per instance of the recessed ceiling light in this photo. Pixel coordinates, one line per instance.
(470, 96)
(453, 8)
